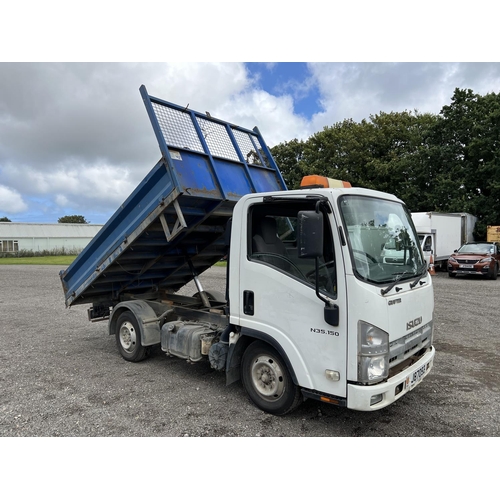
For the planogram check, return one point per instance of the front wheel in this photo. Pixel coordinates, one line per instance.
(494, 274)
(267, 380)
(128, 338)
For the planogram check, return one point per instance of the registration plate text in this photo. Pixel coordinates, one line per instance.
(415, 377)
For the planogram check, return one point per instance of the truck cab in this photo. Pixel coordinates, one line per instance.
(349, 327)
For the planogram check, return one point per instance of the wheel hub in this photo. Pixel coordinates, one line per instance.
(267, 378)
(128, 336)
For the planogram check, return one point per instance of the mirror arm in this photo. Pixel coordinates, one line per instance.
(316, 260)
(331, 314)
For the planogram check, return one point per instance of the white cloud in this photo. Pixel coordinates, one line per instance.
(11, 202)
(61, 200)
(274, 116)
(50, 112)
(78, 135)
(75, 187)
(352, 90)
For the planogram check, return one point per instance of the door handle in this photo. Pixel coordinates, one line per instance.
(248, 302)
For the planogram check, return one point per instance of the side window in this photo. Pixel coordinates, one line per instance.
(9, 246)
(428, 244)
(273, 242)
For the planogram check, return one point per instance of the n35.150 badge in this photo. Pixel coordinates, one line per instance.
(322, 331)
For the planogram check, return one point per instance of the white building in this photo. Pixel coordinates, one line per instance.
(64, 238)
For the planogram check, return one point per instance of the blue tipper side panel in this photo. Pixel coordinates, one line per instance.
(178, 214)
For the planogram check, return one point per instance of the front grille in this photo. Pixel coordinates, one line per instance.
(467, 261)
(407, 346)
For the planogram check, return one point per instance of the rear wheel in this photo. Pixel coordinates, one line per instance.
(267, 380)
(128, 338)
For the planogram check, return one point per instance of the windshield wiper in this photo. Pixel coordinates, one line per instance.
(394, 283)
(421, 273)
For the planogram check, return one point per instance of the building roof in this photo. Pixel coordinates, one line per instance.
(15, 230)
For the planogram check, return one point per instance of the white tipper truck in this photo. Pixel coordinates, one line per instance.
(310, 310)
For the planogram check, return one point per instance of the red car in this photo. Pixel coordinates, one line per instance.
(482, 259)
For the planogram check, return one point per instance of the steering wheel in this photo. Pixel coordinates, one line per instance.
(310, 274)
(293, 266)
(367, 255)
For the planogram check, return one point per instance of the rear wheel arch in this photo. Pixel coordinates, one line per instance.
(150, 332)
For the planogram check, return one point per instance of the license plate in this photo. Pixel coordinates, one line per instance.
(467, 266)
(415, 377)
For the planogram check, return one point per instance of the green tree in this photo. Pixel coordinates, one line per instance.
(465, 153)
(341, 152)
(288, 156)
(384, 153)
(399, 150)
(4, 219)
(73, 219)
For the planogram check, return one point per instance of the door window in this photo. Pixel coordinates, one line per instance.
(273, 242)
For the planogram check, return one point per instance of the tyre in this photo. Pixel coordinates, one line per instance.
(267, 380)
(451, 275)
(128, 338)
(494, 274)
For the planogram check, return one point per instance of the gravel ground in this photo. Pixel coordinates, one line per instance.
(62, 375)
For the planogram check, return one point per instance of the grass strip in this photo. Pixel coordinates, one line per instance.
(51, 260)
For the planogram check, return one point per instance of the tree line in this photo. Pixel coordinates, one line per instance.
(66, 219)
(449, 162)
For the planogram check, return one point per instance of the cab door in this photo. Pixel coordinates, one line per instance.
(428, 248)
(277, 292)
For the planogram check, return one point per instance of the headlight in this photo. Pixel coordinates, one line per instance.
(373, 369)
(373, 353)
(487, 259)
(451, 259)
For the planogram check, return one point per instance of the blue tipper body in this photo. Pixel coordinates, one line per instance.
(172, 226)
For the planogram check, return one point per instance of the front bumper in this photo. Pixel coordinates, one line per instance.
(359, 397)
(477, 269)
(476, 272)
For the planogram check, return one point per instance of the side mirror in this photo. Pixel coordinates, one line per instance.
(310, 234)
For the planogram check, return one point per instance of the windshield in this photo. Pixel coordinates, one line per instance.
(382, 239)
(477, 248)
